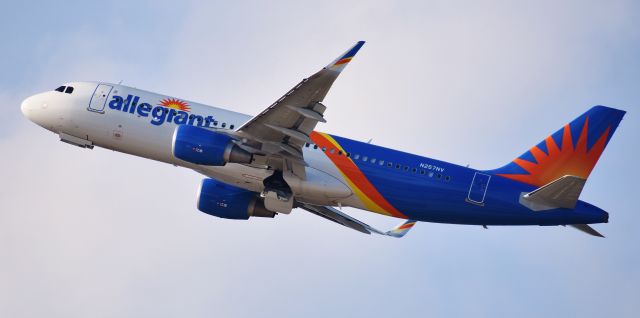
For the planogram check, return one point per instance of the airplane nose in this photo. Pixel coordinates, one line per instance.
(25, 107)
(31, 105)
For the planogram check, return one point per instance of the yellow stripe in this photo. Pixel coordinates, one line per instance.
(368, 203)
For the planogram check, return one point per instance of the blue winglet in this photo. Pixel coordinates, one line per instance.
(344, 59)
(402, 228)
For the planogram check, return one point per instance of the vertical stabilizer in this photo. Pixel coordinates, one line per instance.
(573, 150)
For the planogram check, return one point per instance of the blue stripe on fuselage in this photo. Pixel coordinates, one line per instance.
(432, 199)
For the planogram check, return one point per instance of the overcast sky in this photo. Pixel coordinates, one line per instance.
(95, 233)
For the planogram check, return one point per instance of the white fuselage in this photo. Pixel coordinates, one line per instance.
(93, 113)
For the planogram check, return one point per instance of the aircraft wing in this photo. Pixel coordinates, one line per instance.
(284, 127)
(337, 216)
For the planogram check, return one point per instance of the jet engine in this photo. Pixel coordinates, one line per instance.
(229, 202)
(206, 147)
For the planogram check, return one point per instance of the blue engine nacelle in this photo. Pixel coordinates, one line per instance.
(229, 202)
(206, 147)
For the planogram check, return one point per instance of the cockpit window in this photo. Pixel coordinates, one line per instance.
(69, 90)
(60, 89)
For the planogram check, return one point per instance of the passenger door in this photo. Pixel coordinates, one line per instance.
(99, 98)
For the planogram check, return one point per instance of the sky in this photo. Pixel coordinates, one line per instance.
(96, 233)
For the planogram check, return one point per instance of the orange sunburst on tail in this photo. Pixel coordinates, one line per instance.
(569, 160)
(561, 154)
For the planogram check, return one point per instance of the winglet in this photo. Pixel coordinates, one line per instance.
(339, 64)
(402, 229)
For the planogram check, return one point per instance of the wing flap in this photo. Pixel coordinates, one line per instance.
(337, 216)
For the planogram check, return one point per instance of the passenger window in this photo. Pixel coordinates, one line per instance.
(389, 164)
(422, 171)
(315, 146)
(306, 145)
(60, 89)
(224, 125)
(348, 154)
(69, 90)
(406, 168)
(365, 158)
(438, 176)
(324, 149)
(332, 150)
(356, 157)
(381, 162)
(339, 152)
(397, 166)
(215, 123)
(430, 174)
(414, 170)
(447, 178)
(231, 127)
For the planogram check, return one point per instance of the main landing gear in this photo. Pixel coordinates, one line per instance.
(277, 194)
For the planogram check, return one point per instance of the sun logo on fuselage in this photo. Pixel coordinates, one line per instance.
(175, 104)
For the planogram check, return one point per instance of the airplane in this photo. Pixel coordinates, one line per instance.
(275, 162)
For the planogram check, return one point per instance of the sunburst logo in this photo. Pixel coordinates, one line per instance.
(175, 104)
(560, 161)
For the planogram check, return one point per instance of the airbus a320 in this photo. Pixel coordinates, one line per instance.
(275, 161)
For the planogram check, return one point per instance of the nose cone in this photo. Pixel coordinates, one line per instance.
(27, 107)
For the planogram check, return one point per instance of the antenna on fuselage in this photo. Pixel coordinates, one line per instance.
(370, 140)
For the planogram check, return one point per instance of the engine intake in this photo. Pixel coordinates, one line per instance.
(229, 202)
(206, 147)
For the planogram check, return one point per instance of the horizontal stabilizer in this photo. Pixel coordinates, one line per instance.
(586, 229)
(560, 193)
(334, 215)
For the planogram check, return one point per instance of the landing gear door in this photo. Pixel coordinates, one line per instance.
(478, 188)
(99, 98)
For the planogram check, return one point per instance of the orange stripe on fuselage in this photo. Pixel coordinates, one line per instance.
(365, 190)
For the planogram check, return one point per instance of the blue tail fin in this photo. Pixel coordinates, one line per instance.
(572, 150)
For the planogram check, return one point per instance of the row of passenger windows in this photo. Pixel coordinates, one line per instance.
(65, 89)
(214, 123)
(223, 125)
(201, 121)
(380, 162)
